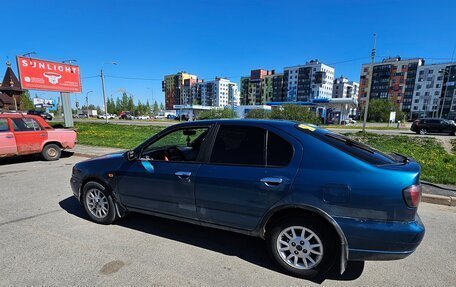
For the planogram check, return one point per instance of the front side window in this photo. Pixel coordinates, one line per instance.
(179, 145)
(25, 125)
(4, 125)
(239, 145)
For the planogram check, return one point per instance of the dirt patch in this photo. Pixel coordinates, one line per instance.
(112, 267)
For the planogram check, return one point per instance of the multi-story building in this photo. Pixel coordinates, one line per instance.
(314, 80)
(253, 88)
(449, 92)
(343, 88)
(393, 79)
(173, 86)
(219, 92)
(429, 90)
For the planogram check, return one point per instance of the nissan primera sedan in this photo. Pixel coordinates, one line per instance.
(316, 197)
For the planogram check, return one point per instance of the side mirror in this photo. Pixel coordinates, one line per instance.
(131, 155)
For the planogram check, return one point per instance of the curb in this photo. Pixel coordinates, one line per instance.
(439, 199)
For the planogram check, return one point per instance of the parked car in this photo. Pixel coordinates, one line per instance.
(80, 116)
(104, 116)
(143, 117)
(42, 114)
(429, 125)
(21, 135)
(125, 116)
(317, 197)
(171, 116)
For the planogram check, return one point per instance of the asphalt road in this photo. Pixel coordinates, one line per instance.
(46, 239)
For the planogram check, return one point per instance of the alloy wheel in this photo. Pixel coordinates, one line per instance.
(300, 247)
(97, 203)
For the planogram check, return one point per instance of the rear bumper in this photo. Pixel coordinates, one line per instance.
(381, 240)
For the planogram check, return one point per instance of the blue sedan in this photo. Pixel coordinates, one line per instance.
(316, 197)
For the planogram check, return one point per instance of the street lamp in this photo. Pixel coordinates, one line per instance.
(103, 88)
(87, 102)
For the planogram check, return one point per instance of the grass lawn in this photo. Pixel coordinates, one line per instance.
(453, 144)
(437, 165)
(112, 135)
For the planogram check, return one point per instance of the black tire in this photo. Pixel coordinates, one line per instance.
(327, 238)
(111, 215)
(51, 152)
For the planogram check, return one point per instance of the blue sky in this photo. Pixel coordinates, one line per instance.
(150, 39)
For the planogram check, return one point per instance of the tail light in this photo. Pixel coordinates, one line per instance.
(412, 195)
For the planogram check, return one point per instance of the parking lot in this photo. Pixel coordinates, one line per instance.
(46, 239)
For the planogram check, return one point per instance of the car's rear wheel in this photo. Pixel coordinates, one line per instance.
(302, 247)
(98, 203)
(423, 131)
(51, 152)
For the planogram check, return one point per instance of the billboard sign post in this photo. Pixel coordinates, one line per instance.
(36, 74)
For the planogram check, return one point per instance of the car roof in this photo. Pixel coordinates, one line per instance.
(16, 115)
(277, 123)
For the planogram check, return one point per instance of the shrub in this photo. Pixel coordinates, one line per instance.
(225, 113)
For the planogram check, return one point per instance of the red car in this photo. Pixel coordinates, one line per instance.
(27, 134)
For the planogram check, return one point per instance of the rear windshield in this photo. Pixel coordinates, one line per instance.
(354, 148)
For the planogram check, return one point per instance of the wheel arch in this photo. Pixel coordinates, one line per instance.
(51, 142)
(120, 209)
(286, 210)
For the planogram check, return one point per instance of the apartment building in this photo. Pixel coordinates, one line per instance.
(219, 92)
(173, 86)
(344, 88)
(255, 87)
(393, 78)
(314, 80)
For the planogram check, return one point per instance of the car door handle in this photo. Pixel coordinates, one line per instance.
(183, 174)
(42, 135)
(271, 181)
(9, 136)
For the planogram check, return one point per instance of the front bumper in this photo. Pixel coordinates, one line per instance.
(381, 240)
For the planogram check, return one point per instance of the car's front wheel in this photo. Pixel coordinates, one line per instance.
(423, 131)
(302, 247)
(98, 203)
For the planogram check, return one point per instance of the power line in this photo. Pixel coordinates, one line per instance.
(133, 78)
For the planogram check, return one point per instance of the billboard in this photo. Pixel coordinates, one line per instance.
(43, 103)
(44, 75)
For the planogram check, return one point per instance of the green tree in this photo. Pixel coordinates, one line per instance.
(295, 113)
(162, 107)
(155, 108)
(147, 108)
(379, 110)
(258, 114)
(26, 101)
(225, 113)
(130, 104)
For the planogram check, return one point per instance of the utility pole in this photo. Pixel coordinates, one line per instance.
(104, 96)
(366, 107)
(104, 93)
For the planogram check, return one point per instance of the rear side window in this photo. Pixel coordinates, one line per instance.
(4, 125)
(239, 145)
(25, 124)
(279, 151)
(354, 148)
